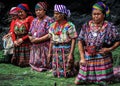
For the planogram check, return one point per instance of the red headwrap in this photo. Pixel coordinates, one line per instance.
(13, 10)
(24, 7)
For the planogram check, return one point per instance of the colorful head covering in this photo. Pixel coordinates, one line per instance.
(13, 11)
(42, 5)
(62, 9)
(101, 6)
(24, 7)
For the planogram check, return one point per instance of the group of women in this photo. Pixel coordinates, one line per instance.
(45, 43)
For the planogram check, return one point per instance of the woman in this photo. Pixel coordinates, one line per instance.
(20, 36)
(7, 39)
(62, 34)
(96, 40)
(13, 14)
(39, 28)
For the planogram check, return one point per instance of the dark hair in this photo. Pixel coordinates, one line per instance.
(65, 16)
(104, 12)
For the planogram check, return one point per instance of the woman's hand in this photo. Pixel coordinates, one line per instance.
(104, 50)
(33, 40)
(83, 62)
(20, 41)
(49, 59)
(16, 43)
(70, 58)
(6, 36)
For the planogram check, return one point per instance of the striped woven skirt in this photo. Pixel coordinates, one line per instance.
(60, 65)
(96, 70)
(38, 57)
(21, 55)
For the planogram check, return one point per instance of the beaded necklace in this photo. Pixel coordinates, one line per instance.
(94, 29)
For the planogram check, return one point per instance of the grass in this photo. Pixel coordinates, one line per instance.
(116, 57)
(11, 75)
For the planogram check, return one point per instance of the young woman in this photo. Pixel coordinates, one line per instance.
(20, 38)
(39, 28)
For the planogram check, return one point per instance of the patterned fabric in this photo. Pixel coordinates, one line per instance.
(105, 37)
(62, 33)
(24, 7)
(42, 5)
(13, 10)
(99, 67)
(21, 54)
(97, 70)
(39, 52)
(22, 28)
(12, 24)
(8, 45)
(62, 9)
(101, 6)
(61, 68)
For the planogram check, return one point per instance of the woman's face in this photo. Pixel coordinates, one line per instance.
(22, 14)
(58, 16)
(14, 16)
(40, 13)
(97, 16)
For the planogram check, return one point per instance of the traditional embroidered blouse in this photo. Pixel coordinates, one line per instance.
(40, 28)
(104, 37)
(62, 33)
(22, 28)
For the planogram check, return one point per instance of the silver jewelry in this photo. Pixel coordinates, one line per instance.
(94, 34)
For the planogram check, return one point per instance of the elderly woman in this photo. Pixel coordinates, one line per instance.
(96, 40)
(39, 28)
(63, 34)
(20, 36)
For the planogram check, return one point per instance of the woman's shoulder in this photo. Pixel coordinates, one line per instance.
(69, 24)
(35, 19)
(86, 24)
(29, 18)
(110, 25)
(49, 19)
